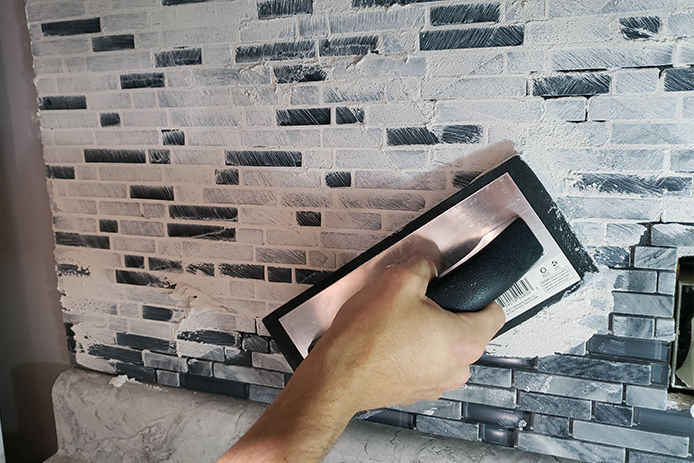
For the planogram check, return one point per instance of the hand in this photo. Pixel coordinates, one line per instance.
(392, 345)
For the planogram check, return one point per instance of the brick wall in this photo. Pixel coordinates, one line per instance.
(207, 160)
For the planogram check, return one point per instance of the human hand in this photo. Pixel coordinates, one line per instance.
(392, 345)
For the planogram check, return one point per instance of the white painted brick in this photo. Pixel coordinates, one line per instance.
(78, 224)
(280, 292)
(120, 208)
(565, 109)
(607, 159)
(119, 61)
(347, 220)
(95, 363)
(60, 46)
(188, 174)
(354, 92)
(206, 118)
(264, 116)
(557, 8)
(144, 119)
(85, 84)
(281, 138)
(395, 18)
(72, 205)
(124, 21)
(265, 216)
(219, 55)
(195, 98)
(62, 154)
(73, 137)
(141, 228)
(126, 137)
(350, 241)
(410, 113)
(198, 36)
(269, 30)
(300, 96)
(286, 237)
(318, 158)
(305, 200)
(46, 86)
(349, 136)
(403, 89)
(524, 11)
(450, 88)
(36, 11)
(68, 119)
(372, 66)
(238, 196)
(677, 210)
(632, 107)
(685, 53)
(681, 24)
(108, 101)
(636, 81)
(400, 181)
(525, 110)
(611, 57)
(283, 178)
(688, 107)
(525, 61)
(456, 63)
(563, 31)
(210, 250)
(652, 133)
(401, 42)
(253, 96)
(144, 99)
(48, 65)
(132, 173)
(212, 137)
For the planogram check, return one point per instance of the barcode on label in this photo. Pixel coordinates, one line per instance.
(515, 292)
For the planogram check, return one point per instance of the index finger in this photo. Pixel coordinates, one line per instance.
(486, 322)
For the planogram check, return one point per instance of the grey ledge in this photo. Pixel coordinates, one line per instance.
(137, 422)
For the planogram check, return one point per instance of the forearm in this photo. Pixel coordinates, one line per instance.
(302, 423)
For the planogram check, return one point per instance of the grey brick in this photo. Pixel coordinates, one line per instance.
(643, 304)
(263, 394)
(248, 375)
(552, 425)
(655, 258)
(605, 370)
(490, 376)
(497, 397)
(450, 428)
(275, 362)
(642, 349)
(633, 327)
(632, 438)
(540, 403)
(569, 387)
(666, 282)
(168, 378)
(438, 408)
(566, 448)
(640, 281)
(640, 457)
(648, 397)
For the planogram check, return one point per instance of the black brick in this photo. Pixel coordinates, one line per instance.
(142, 80)
(338, 179)
(115, 353)
(506, 36)
(255, 343)
(214, 385)
(463, 179)
(219, 338)
(87, 241)
(349, 46)
(424, 136)
(78, 26)
(164, 265)
(464, 14)
(159, 156)
(274, 347)
(308, 116)
(616, 346)
(613, 414)
(200, 367)
(249, 271)
(184, 57)
(264, 158)
(279, 274)
(150, 312)
(277, 8)
(276, 51)
(119, 156)
(367, 3)
(108, 226)
(62, 172)
(582, 367)
(152, 192)
(48, 103)
(345, 115)
(113, 42)
(207, 232)
(238, 357)
(573, 85)
(226, 176)
(73, 270)
(642, 27)
(134, 261)
(203, 212)
(128, 277)
(173, 137)
(140, 373)
(308, 218)
(205, 269)
(145, 342)
(393, 417)
(109, 119)
(309, 276)
(679, 79)
(633, 184)
(298, 73)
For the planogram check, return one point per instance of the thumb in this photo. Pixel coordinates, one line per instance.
(423, 269)
(487, 321)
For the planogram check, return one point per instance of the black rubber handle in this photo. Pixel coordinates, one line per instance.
(489, 273)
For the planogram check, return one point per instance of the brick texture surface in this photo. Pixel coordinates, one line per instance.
(246, 149)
